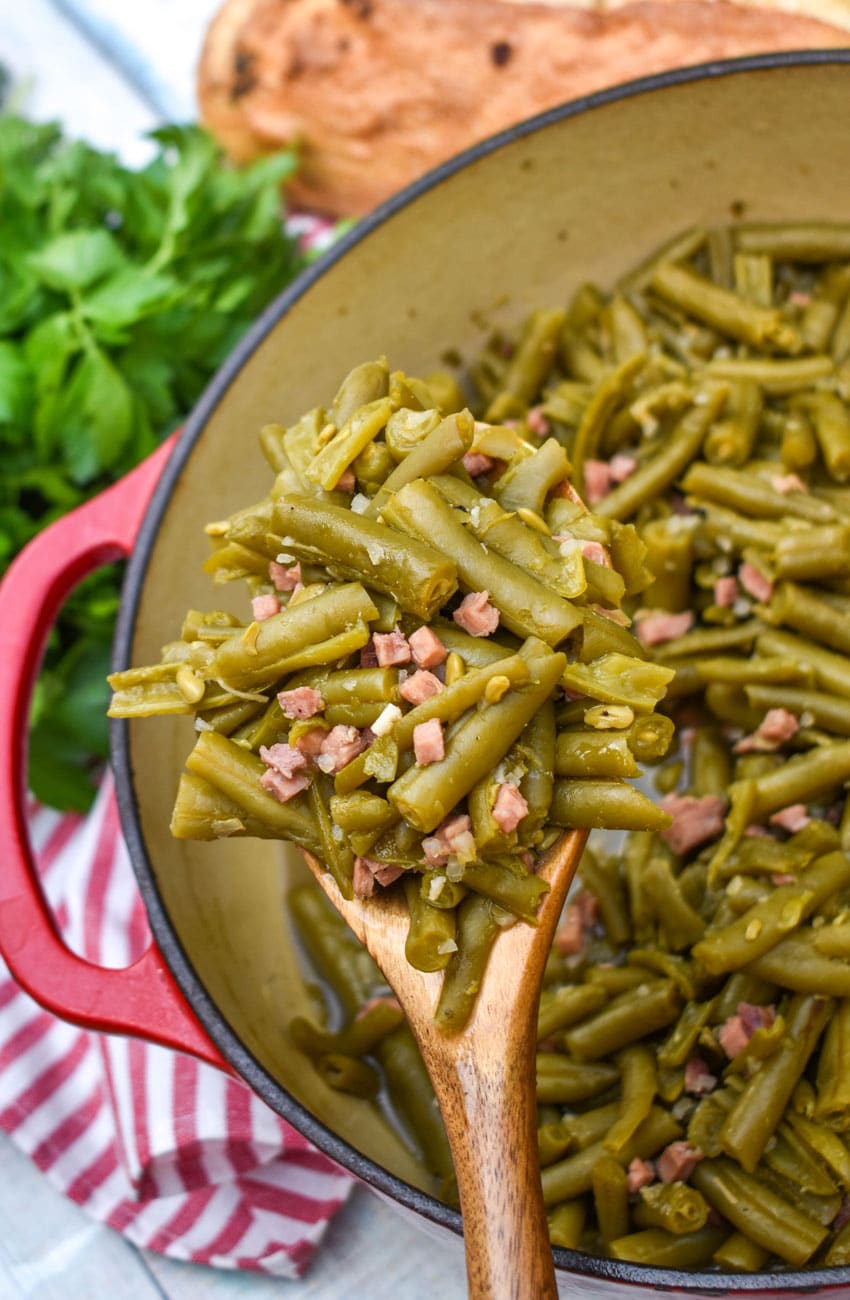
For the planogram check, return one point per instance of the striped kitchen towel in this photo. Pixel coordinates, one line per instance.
(174, 1154)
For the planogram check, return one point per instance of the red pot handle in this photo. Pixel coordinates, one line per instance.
(142, 999)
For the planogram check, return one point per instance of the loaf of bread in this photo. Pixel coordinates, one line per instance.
(376, 92)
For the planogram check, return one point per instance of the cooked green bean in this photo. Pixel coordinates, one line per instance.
(433, 455)
(763, 1216)
(581, 804)
(662, 1249)
(675, 1207)
(610, 1187)
(566, 1082)
(626, 1019)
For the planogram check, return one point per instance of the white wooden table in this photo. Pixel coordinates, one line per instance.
(110, 71)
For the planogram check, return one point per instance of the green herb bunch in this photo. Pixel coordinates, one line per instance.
(120, 293)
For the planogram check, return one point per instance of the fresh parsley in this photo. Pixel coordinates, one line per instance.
(120, 294)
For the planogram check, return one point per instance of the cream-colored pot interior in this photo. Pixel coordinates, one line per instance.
(582, 196)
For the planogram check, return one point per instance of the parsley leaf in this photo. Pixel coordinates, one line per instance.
(120, 293)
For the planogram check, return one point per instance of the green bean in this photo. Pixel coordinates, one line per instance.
(799, 448)
(425, 795)
(524, 605)
(236, 773)
(348, 1074)
(832, 430)
(832, 1097)
(507, 535)
(791, 1159)
(674, 1207)
(602, 877)
(734, 671)
(707, 641)
(437, 451)
(796, 964)
(626, 1019)
(726, 311)
(738, 1254)
(430, 938)
(662, 1249)
(535, 354)
(827, 711)
(670, 552)
(419, 577)
(254, 658)
(365, 383)
(619, 679)
(838, 1253)
(580, 805)
(683, 1037)
(609, 394)
(762, 926)
(594, 754)
(477, 927)
(448, 705)
(755, 1116)
(552, 1142)
(516, 891)
(776, 377)
(573, 1176)
(528, 481)
(203, 812)
(731, 440)
(327, 466)
(413, 1101)
(617, 979)
(535, 749)
(813, 241)
(754, 278)
(830, 670)
(610, 1187)
(562, 1007)
(601, 636)
(763, 1216)
(566, 1224)
(334, 951)
(639, 1085)
(803, 779)
(665, 467)
(566, 1082)
(681, 924)
(749, 494)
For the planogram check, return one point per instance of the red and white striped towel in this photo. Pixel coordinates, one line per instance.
(172, 1153)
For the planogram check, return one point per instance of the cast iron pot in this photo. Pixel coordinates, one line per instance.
(581, 192)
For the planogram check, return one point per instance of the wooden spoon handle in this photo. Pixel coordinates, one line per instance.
(488, 1104)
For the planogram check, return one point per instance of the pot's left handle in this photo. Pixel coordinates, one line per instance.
(142, 999)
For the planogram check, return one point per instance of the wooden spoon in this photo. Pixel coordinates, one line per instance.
(483, 1077)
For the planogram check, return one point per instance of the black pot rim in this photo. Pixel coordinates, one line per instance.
(576, 1264)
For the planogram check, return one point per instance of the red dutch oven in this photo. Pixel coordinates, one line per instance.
(581, 192)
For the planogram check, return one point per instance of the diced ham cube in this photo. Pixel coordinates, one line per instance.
(447, 838)
(677, 1162)
(754, 582)
(734, 1034)
(428, 743)
(391, 648)
(367, 872)
(654, 629)
(368, 658)
(284, 776)
(783, 878)
(476, 463)
(283, 578)
(726, 591)
(785, 483)
(588, 908)
(793, 818)
(622, 467)
(640, 1174)
(283, 787)
(302, 702)
(476, 615)
(509, 808)
(426, 648)
(339, 746)
(777, 726)
(570, 934)
(264, 606)
(597, 480)
(283, 758)
(346, 481)
(594, 551)
(698, 1078)
(537, 422)
(420, 686)
(371, 1003)
(695, 820)
(755, 832)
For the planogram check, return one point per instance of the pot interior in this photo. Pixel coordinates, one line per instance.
(584, 195)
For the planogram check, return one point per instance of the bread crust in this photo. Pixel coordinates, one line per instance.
(376, 92)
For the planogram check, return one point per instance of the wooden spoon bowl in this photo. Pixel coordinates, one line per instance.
(483, 1076)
